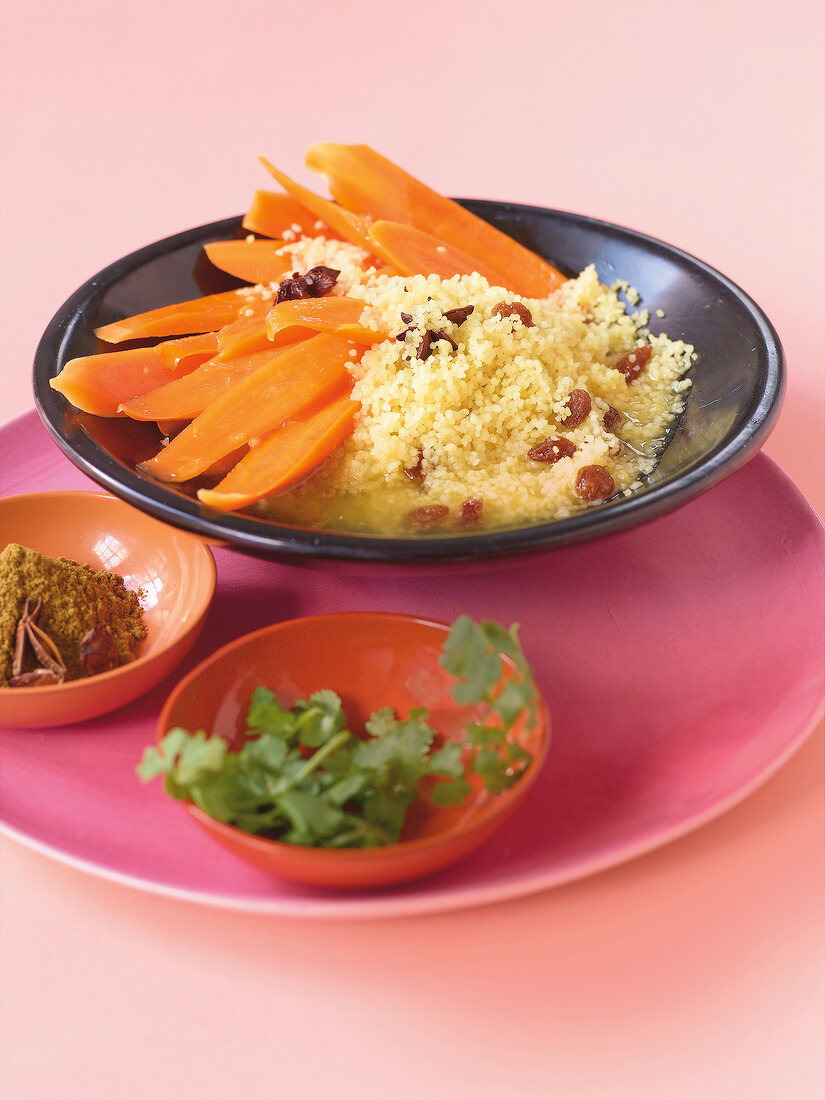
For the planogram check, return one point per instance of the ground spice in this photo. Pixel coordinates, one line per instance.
(76, 599)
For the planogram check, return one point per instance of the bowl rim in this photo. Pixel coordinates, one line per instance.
(403, 848)
(141, 661)
(275, 540)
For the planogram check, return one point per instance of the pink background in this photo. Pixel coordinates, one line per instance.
(695, 973)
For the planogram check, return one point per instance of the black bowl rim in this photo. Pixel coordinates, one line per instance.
(269, 539)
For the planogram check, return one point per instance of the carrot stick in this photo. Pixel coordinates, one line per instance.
(175, 354)
(284, 456)
(350, 226)
(273, 215)
(186, 398)
(98, 384)
(195, 316)
(327, 314)
(370, 185)
(249, 334)
(414, 252)
(255, 261)
(303, 375)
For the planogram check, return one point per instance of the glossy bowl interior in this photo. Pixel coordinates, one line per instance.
(737, 388)
(175, 570)
(371, 660)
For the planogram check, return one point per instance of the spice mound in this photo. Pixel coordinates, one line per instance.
(61, 620)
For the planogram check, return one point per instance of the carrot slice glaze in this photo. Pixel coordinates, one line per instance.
(98, 384)
(330, 314)
(186, 398)
(196, 315)
(414, 252)
(351, 227)
(305, 374)
(255, 261)
(272, 215)
(284, 456)
(370, 185)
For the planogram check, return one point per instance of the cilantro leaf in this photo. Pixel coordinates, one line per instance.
(302, 777)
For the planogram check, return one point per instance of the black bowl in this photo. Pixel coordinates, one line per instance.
(737, 387)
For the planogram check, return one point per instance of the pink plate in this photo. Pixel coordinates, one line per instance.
(681, 662)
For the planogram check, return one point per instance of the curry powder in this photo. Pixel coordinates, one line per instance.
(75, 598)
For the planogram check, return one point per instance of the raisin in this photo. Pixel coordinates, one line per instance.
(579, 404)
(319, 281)
(426, 346)
(514, 309)
(290, 290)
(431, 515)
(471, 510)
(594, 483)
(416, 473)
(612, 418)
(632, 364)
(552, 450)
(406, 318)
(459, 316)
(431, 338)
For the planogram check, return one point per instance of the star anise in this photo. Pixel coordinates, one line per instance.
(52, 668)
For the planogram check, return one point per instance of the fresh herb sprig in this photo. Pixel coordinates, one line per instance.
(304, 778)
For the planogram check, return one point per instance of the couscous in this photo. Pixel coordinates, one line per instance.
(488, 408)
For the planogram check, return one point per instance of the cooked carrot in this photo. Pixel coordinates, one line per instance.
(255, 261)
(304, 375)
(175, 354)
(99, 383)
(273, 214)
(186, 398)
(327, 314)
(169, 428)
(284, 456)
(197, 315)
(414, 252)
(351, 227)
(370, 185)
(249, 334)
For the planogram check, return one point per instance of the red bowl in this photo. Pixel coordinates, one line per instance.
(371, 660)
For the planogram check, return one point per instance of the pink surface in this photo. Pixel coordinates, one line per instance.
(695, 973)
(666, 706)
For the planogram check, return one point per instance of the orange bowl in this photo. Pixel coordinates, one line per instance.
(175, 570)
(371, 660)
